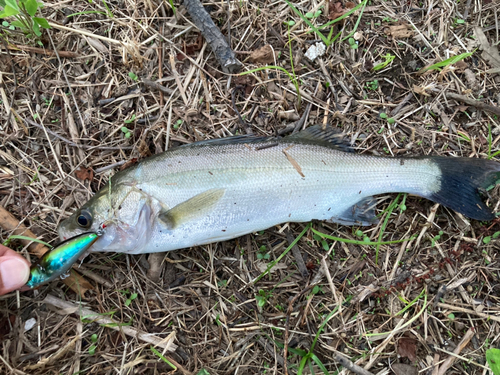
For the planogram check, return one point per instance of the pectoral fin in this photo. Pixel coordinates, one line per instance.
(194, 208)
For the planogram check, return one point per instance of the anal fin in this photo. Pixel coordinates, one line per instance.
(362, 213)
(194, 208)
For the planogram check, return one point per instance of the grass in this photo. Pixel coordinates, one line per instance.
(225, 311)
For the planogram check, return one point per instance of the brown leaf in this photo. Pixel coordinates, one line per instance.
(407, 347)
(402, 369)
(84, 174)
(128, 164)
(263, 55)
(400, 31)
(335, 10)
(490, 53)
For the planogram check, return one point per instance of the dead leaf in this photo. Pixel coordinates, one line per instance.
(407, 347)
(84, 174)
(402, 369)
(190, 49)
(400, 31)
(262, 266)
(263, 55)
(420, 90)
(293, 161)
(128, 164)
(335, 9)
(490, 53)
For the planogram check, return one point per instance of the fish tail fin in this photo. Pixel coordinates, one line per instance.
(462, 182)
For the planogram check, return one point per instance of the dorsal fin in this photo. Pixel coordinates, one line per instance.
(329, 137)
(235, 139)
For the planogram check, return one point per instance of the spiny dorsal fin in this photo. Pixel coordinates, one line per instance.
(235, 139)
(328, 136)
(194, 208)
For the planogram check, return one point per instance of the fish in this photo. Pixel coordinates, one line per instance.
(220, 189)
(57, 262)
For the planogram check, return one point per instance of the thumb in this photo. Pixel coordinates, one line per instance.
(14, 272)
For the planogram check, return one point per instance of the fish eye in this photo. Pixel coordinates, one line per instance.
(84, 219)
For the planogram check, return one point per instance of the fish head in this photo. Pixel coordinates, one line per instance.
(123, 217)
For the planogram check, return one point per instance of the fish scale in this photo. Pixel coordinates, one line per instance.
(218, 190)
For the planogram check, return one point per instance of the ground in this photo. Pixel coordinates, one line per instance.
(426, 303)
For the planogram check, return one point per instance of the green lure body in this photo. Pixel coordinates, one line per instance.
(59, 260)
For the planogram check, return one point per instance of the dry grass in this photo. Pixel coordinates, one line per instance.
(424, 299)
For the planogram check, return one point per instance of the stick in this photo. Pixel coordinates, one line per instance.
(213, 36)
(468, 311)
(346, 362)
(449, 361)
(167, 343)
(474, 103)
(43, 51)
(8, 222)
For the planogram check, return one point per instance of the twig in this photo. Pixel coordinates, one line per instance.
(346, 362)
(157, 86)
(469, 311)
(222, 50)
(85, 147)
(43, 51)
(474, 103)
(269, 349)
(297, 255)
(110, 323)
(449, 361)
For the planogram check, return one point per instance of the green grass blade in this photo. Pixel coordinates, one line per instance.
(357, 21)
(292, 78)
(16, 237)
(356, 242)
(450, 61)
(274, 262)
(314, 28)
(391, 208)
(163, 358)
(319, 364)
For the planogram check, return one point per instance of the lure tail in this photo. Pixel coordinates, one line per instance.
(462, 182)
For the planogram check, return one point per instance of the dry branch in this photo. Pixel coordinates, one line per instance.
(450, 360)
(65, 306)
(474, 103)
(222, 50)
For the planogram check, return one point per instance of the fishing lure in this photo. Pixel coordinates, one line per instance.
(59, 260)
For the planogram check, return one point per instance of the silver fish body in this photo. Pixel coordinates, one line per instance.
(219, 190)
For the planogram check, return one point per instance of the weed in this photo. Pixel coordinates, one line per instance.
(159, 355)
(436, 238)
(450, 61)
(388, 59)
(93, 347)
(126, 131)
(390, 120)
(313, 15)
(352, 42)
(24, 13)
(263, 254)
(130, 120)
(493, 359)
(372, 85)
(329, 40)
(487, 239)
(133, 76)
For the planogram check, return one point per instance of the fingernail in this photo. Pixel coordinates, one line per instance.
(14, 273)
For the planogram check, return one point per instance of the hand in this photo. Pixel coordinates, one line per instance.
(14, 270)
